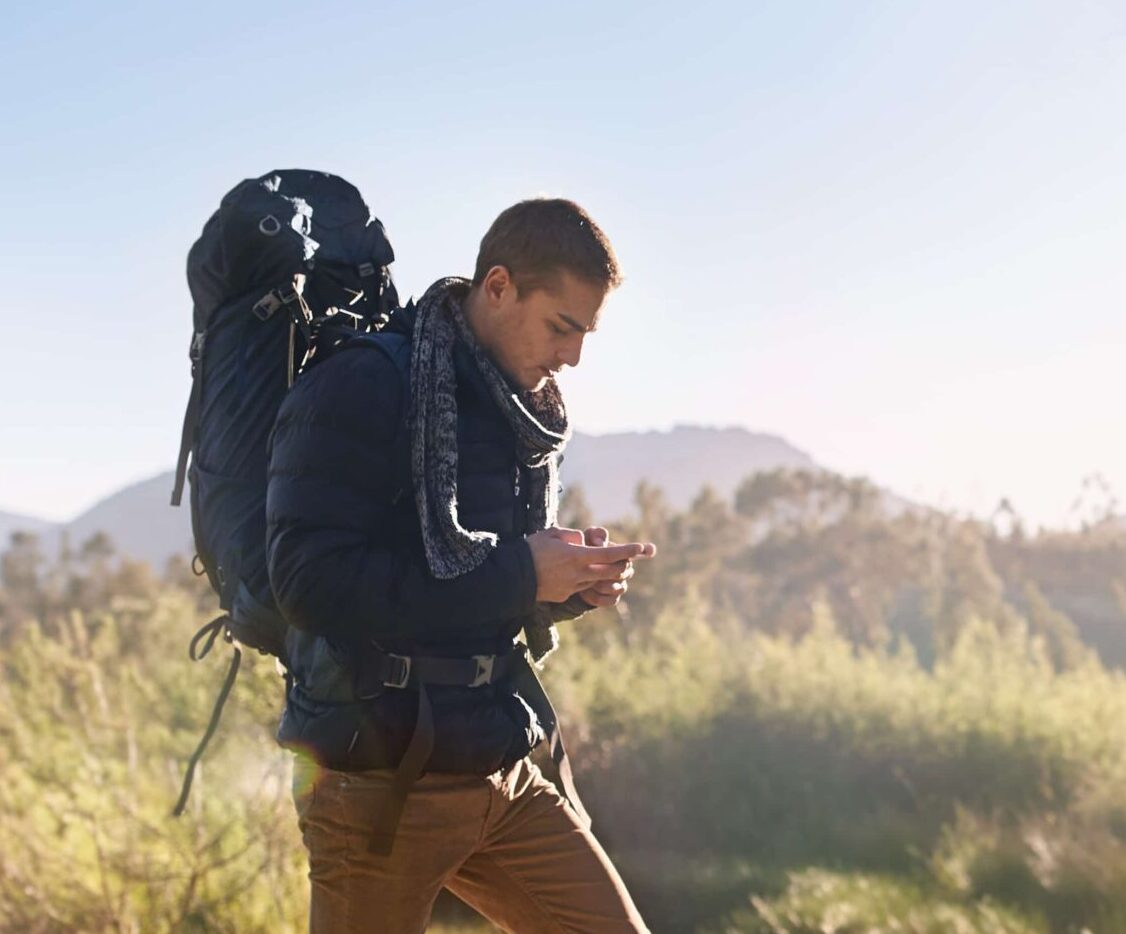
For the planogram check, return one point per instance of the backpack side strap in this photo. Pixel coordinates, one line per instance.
(191, 416)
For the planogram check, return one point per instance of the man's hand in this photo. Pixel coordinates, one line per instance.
(608, 593)
(566, 566)
(599, 571)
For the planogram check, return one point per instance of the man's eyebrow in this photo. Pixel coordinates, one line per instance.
(575, 324)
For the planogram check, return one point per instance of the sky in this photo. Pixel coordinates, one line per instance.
(891, 233)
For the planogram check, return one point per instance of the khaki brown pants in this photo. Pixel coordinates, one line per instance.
(506, 844)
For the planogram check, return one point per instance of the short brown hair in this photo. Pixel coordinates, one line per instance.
(535, 239)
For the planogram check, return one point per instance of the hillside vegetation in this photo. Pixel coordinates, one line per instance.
(811, 717)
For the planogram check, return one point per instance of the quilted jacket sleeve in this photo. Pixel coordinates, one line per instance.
(332, 479)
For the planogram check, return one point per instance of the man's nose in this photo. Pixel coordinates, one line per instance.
(572, 350)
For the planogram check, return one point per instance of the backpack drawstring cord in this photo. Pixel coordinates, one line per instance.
(210, 632)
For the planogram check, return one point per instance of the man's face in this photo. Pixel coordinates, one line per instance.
(540, 331)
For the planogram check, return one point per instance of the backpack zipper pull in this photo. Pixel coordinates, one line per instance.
(516, 484)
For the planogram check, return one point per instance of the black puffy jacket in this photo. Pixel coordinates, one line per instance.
(348, 569)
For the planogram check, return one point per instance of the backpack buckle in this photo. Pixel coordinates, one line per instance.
(484, 670)
(265, 307)
(195, 351)
(400, 678)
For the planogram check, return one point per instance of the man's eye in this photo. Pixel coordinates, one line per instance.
(558, 330)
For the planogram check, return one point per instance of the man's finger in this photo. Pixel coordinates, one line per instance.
(589, 581)
(596, 536)
(613, 553)
(596, 599)
(609, 572)
(570, 536)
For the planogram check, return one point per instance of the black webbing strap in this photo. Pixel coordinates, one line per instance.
(530, 688)
(388, 670)
(209, 633)
(410, 768)
(191, 416)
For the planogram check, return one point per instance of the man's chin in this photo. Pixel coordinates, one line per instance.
(532, 380)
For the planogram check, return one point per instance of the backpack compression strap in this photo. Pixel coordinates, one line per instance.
(191, 416)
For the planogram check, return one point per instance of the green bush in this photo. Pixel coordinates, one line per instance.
(96, 726)
(821, 753)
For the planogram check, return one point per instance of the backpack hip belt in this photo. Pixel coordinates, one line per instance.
(388, 670)
(383, 670)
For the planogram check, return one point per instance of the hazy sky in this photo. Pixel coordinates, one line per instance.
(891, 232)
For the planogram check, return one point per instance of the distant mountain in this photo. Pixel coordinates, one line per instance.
(142, 524)
(137, 518)
(140, 521)
(681, 462)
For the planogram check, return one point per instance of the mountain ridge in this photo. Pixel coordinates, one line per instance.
(607, 467)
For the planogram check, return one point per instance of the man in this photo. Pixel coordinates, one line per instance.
(411, 510)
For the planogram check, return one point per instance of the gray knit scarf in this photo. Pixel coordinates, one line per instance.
(538, 419)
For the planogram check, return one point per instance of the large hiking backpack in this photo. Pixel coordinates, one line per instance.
(287, 260)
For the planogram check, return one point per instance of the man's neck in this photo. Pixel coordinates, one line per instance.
(476, 314)
(473, 312)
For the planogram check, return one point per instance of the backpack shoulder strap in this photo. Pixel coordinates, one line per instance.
(396, 347)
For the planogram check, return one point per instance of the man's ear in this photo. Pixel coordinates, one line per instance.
(497, 281)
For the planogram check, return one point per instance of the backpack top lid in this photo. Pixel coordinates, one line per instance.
(284, 223)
